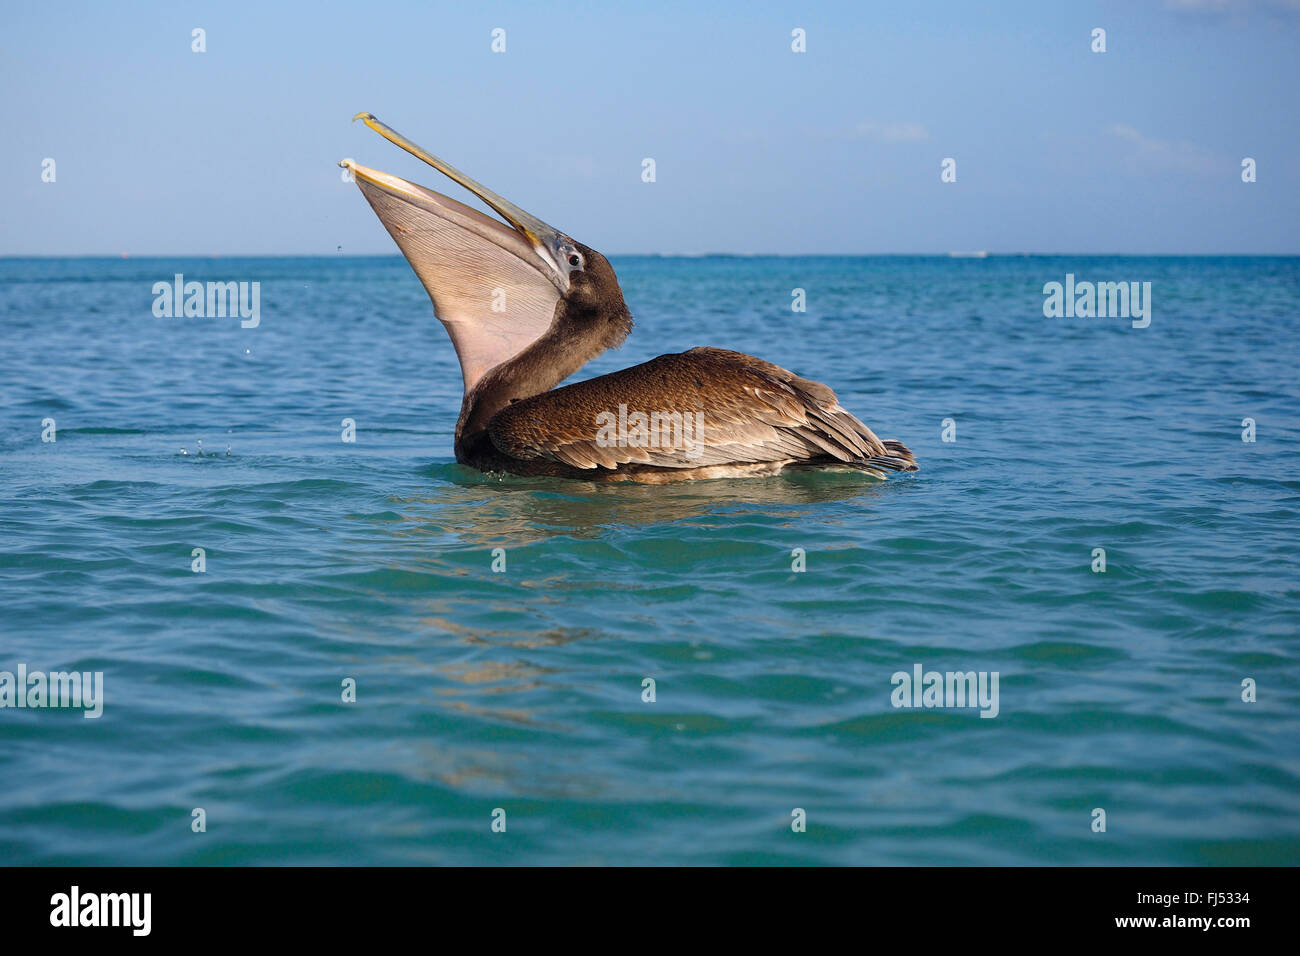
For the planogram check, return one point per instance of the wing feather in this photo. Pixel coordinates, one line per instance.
(731, 407)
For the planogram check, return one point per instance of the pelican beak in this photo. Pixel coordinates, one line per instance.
(494, 287)
(545, 241)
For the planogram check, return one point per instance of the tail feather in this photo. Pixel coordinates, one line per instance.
(900, 458)
(879, 466)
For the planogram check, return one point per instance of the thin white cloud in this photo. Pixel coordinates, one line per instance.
(891, 133)
(1231, 6)
(1205, 6)
(1164, 154)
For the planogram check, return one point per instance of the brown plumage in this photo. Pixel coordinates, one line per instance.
(527, 306)
(753, 418)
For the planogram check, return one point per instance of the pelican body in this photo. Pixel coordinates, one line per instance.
(526, 306)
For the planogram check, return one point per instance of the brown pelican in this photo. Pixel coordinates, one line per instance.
(526, 307)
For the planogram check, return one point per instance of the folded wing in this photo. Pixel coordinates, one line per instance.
(713, 407)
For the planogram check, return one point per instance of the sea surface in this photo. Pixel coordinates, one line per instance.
(518, 696)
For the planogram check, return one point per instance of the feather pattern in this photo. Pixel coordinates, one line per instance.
(705, 407)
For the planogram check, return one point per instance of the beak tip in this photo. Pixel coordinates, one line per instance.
(363, 115)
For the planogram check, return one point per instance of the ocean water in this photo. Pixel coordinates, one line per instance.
(521, 691)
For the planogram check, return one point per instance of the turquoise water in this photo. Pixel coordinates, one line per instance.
(522, 690)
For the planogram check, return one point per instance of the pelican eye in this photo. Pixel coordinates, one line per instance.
(575, 260)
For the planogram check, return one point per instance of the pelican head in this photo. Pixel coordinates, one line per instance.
(499, 288)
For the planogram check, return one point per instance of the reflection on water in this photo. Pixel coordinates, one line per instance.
(488, 510)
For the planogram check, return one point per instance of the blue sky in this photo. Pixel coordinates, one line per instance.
(160, 150)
